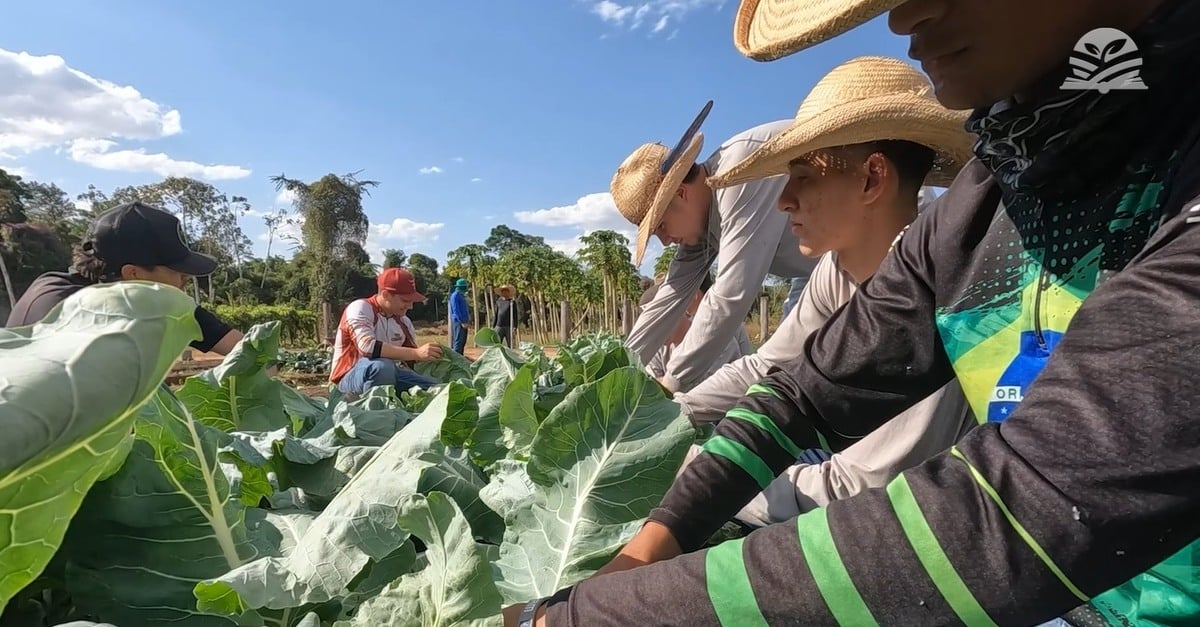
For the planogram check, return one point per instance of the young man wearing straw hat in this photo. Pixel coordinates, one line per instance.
(1057, 279)
(667, 194)
(852, 187)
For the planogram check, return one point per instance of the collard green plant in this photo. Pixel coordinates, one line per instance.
(238, 501)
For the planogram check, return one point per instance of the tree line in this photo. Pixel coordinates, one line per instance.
(327, 265)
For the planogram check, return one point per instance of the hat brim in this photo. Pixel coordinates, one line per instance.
(662, 196)
(901, 116)
(415, 297)
(195, 264)
(766, 30)
(505, 288)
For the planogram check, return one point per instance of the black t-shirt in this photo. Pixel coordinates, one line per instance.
(52, 288)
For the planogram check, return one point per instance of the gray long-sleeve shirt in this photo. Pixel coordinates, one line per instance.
(922, 431)
(748, 238)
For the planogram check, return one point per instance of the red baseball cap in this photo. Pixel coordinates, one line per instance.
(400, 282)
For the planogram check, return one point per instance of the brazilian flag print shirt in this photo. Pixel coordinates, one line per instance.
(1074, 335)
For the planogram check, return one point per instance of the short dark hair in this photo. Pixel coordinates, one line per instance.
(912, 161)
(694, 173)
(91, 267)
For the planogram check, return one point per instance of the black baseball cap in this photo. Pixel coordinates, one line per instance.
(136, 233)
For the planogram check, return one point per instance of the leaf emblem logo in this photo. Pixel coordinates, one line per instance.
(1104, 60)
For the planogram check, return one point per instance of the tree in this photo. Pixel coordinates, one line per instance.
(49, 205)
(503, 239)
(332, 213)
(470, 262)
(394, 258)
(429, 283)
(606, 253)
(12, 211)
(664, 261)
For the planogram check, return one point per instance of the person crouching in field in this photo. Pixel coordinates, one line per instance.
(376, 342)
(737, 347)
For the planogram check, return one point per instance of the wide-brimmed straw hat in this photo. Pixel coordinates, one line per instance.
(765, 30)
(864, 100)
(641, 190)
(506, 288)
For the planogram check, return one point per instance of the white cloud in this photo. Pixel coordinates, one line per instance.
(593, 212)
(15, 170)
(459, 159)
(476, 180)
(285, 197)
(433, 169)
(653, 14)
(98, 153)
(47, 104)
(400, 233)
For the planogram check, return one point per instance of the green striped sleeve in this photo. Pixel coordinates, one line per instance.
(729, 588)
(829, 572)
(746, 459)
(766, 424)
(929, 551)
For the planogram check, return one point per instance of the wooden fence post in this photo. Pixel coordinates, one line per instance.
(565, 322)
(763, 320)
(326, 326)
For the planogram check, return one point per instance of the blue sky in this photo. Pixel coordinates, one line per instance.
(517, 112)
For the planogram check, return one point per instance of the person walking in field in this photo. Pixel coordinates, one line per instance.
(460, 316)
(504, 320)
(1056, 278)
(376, 343)
(667, 195)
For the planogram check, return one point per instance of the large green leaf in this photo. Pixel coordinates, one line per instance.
(166, 520)
(451, 366)
(70, 387)
(600, 462)
(359, 526)
(455, 589)
(238, 394)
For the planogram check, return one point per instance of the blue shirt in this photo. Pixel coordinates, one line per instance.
(459, 311)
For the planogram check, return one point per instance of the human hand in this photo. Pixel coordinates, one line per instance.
(428, 352)
(653, 543)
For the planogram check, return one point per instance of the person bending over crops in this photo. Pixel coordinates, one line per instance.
(130, 242)
(847, 204)
(376, 342)
(1056, 278)
(738, 227)
(735, 348)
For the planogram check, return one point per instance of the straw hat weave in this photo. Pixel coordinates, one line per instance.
(642, 193)
(864, 100)
(765, 30)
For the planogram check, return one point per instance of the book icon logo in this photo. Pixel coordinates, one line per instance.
(1104, 60)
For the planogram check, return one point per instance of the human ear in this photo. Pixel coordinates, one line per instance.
(129, 272)
(877, 173)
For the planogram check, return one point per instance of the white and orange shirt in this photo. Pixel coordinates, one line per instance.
(362, 332)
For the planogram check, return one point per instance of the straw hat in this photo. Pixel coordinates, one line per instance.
(765, 30)
(506, 287)
(642, 191)
(864, 100)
